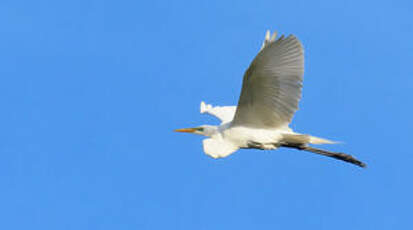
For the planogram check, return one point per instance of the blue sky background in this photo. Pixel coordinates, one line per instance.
(90, 92)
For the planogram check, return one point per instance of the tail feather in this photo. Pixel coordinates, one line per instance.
(305, 139)
(319, 141)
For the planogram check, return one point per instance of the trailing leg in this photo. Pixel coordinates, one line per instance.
(337, 155)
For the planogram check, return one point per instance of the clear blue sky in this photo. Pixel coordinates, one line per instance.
(90, 92)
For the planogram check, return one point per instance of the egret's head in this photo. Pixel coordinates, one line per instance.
(205, 130)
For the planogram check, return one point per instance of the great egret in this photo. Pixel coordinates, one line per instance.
(271, 90)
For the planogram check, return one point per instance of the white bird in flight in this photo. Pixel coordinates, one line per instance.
(271, 90)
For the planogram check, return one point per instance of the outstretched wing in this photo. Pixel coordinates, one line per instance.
(224, 113)
(271, 87)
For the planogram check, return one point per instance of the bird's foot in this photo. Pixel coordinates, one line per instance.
(262, 146)
(254, 145)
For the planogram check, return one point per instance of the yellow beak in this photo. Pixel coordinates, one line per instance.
(187, 130)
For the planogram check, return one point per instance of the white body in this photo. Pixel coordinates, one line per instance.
(227, 138)
(241, 136)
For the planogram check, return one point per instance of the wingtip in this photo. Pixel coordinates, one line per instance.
(274, 36)
(267, 35)
(270, 37)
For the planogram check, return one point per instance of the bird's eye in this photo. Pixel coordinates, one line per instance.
(200, 129)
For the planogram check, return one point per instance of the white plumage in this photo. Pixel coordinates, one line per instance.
(270, 94)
